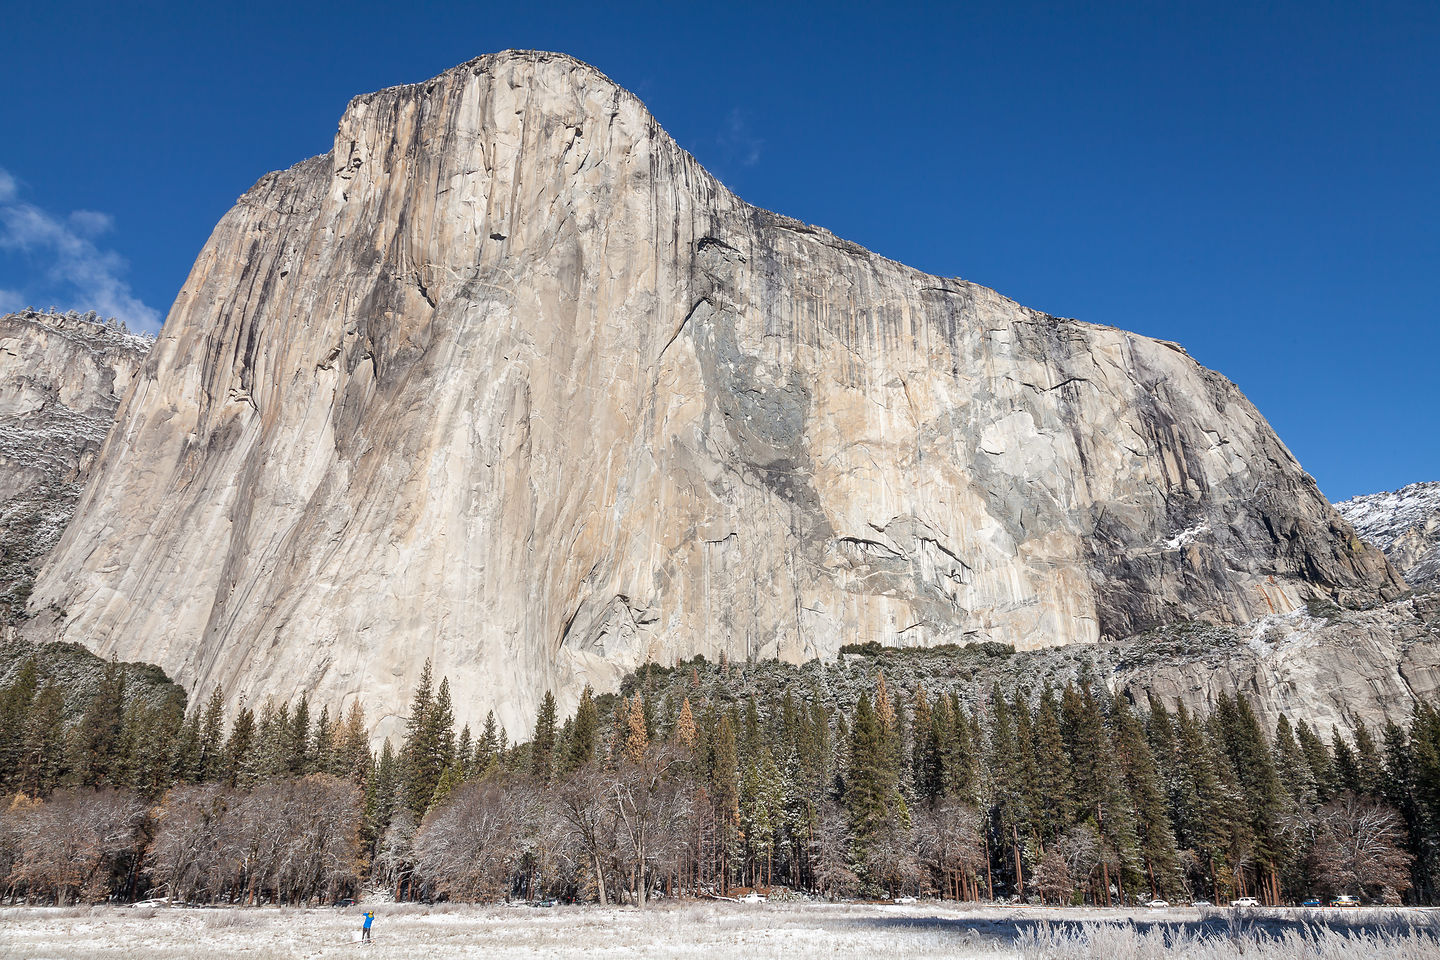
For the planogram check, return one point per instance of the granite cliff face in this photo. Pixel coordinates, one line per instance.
(1404, 523)
(61, 378)
(507, 380)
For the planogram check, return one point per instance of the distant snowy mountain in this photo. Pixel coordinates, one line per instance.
(1405, 523)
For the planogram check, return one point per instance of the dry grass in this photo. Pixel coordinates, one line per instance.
(793, 931)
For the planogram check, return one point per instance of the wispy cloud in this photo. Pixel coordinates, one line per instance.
(739, 140)
(64, 263)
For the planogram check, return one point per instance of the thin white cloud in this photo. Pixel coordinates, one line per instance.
(66, 263)
(737, 138)
(91, 223)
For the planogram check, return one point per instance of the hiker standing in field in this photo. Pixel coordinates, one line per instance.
(365, 930)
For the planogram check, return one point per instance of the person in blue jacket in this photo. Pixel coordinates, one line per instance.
(365, 930)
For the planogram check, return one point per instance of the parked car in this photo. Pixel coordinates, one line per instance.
(1245, 902)
(904, 899)
(1201, 903)
(1345, 900)
(1158, 904)
(1312, 902)
(752, 898)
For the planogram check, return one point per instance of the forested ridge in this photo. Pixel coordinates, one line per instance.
(705, 779)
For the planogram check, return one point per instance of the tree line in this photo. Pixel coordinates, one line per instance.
(1060, 795)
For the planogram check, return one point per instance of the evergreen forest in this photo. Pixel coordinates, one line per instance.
(699, 780)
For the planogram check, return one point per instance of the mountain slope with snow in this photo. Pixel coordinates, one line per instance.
(61, 379)
(1405, 523)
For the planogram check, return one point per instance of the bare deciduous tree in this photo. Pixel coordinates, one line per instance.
(65, 847)
(1355, 848)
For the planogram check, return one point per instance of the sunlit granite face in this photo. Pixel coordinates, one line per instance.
(507, 380)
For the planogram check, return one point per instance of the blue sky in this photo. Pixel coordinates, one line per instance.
(1258, 181)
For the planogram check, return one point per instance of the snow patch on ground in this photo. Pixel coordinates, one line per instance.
(714, 931)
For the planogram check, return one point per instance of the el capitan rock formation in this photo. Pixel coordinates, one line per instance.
(507, 380)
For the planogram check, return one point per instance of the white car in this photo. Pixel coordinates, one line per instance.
(904, 899)
(752, 898)
(1201, 903)
(1245, 902)
(1158, 904)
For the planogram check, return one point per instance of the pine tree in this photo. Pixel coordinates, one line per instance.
(465, 752)
(352, 747)
(891, 733)
(725, 791)
(1053, 784)
(685, 733)
(41, 751)
(762, 808)
(1369, 768)
(542, 742)
(958, 750)
(1422, 764)
(585, 732)
(449, 780)
(211, 735)
(1224, 821)
(647, 711)
(1249, 752)
(1346, 767)
(273, 742)
(430, 748)
(1291, 765)
(322, 744)
(1083, 733)
(15, 703)
(240, 750)
(1208, 820)
(1144, 783)
(487, 747)
(637, 737)
(150, 740)
(1025, 776)
(382, 792)
(1322, 765)
(872, 785)
(185, 762)
(925, 769)
(297, 739)
(619, 730)
(97, 746)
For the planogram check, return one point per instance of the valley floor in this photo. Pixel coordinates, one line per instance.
(716, 931)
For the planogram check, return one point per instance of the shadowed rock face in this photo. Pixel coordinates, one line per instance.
(509, 381)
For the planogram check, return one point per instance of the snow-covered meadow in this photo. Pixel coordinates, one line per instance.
(714, 931)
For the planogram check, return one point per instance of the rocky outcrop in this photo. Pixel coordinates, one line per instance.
(61, 378)
(1332, 668)
(1404, 523)
(507, 380)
